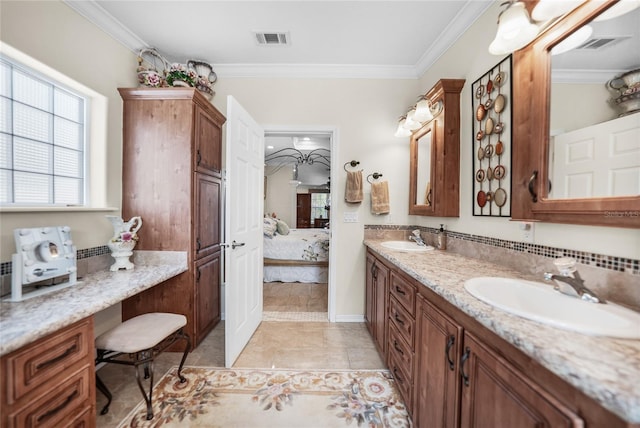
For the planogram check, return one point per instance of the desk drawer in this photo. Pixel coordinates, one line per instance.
(58, 406)
(404, 291)
(402, 320)
(31, 366)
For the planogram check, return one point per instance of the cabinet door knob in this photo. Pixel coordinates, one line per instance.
(398, 319)
(198, 157)
(198, 244)
(400, 290)
(397, 348)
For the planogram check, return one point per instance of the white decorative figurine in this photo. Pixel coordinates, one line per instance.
(123, 241)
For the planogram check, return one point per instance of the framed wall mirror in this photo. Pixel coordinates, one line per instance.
(577, 120)
(420, 192)
(434, 178)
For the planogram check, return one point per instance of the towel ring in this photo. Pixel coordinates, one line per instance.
(353, 164)
(375, 176)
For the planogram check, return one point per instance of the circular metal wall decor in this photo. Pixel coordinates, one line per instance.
(480, 153)
(488, 126)
(499, 148)
(500, 197)
(499, 172)
(481, 198)
(480, 135)
(488, 151)
(480, 175)
(500, 79)
(499, 104)
(481, 112)
(480, 91)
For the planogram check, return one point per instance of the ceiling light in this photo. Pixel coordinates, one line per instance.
(515, 29)
(410, 123)
(549, 9)
(573, 41)
(620, 8)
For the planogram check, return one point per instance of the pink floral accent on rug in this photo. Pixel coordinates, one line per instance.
(253, 398)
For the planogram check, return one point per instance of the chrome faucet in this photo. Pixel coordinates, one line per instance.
(417, 238)
(570, 282)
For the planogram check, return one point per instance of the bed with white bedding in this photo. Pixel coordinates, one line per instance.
(300, 256)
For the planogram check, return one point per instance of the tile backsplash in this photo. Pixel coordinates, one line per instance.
(614, 278)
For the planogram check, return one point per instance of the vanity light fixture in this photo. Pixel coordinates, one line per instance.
(549, 9)
(422, 113)
(401, 131)
(515, 29)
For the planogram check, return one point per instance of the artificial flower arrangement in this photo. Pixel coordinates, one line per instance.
(178, 74)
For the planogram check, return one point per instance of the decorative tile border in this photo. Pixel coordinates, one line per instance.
(619, 264)
(5, 267)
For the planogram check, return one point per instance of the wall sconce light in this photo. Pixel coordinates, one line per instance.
(515, 29)
(422, 113)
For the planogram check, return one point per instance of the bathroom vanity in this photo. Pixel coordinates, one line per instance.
(460, 362)
(47, 351)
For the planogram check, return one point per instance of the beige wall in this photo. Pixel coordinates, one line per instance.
(52, 33)
(280, 194)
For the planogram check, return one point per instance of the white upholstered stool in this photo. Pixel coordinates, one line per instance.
(136, 342)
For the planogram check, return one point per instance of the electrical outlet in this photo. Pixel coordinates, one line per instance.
(527, 231)
(350, 217)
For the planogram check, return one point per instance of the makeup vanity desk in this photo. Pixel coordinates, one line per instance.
(46, 343)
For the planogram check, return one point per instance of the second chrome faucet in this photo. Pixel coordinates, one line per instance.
(570, 282)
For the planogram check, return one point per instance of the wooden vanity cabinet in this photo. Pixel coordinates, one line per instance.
(452, 372)
(376, 289)
(50, 382)
(171, 177)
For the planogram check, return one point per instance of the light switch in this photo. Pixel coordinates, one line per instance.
(351, 217)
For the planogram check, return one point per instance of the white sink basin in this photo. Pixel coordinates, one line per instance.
(540, 302)
(408, 246)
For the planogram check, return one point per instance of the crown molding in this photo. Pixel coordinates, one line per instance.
(584, 76)
(93, 12)
(471, 11)
(107, 23)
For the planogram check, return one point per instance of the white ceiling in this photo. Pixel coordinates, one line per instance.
(335, 38)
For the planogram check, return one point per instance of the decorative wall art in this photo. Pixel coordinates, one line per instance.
(491, 104)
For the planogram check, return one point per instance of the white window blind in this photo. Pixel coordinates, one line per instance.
(42, 140)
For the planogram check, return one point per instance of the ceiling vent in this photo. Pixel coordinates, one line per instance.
(601, 42)
(272, 38)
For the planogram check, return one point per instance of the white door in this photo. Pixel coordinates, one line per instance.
(243, 229)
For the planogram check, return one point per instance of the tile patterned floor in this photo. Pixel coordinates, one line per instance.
(294, 345)
(295, 297)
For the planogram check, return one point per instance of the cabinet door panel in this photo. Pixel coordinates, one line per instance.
(207, 295)
(498, 396)
(208, 144)
(437, 382)
(207, 222)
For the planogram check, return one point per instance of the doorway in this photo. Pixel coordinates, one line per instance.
(299, 281)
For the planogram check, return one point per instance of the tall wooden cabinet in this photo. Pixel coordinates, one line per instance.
(376, 289)
(171, 177)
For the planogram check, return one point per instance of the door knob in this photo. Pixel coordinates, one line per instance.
(235, 244)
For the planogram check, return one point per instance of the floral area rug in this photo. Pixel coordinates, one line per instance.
(262, 398)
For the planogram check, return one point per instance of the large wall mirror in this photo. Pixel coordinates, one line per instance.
(434, 184)
(580, 114)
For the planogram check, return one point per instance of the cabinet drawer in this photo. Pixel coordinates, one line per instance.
(401, 352)
(403, 382)
(32, 365)
(58, 405)
(402, 320)
(404, 291)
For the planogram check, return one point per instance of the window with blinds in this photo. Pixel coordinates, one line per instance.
(42, 140)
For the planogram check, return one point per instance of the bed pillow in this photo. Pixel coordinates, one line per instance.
(282, 227)
(270, 226)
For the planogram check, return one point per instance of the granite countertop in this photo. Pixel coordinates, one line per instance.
(603, 368)
(24, 322)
